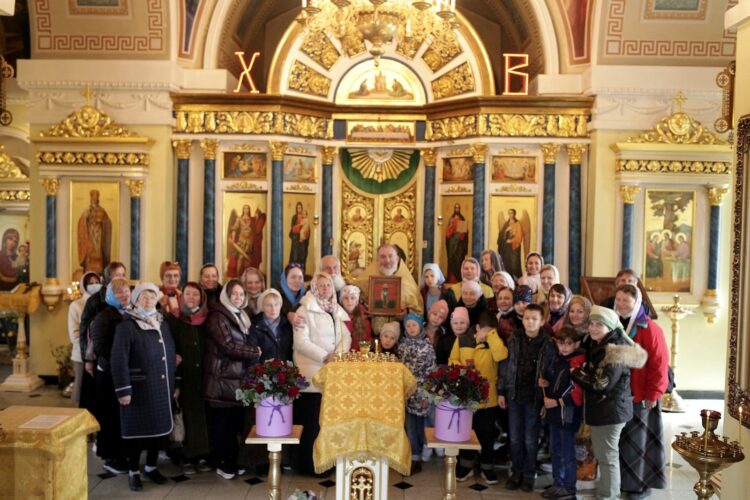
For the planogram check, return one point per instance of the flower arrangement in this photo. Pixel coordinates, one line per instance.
(458, 385)
(271, 379)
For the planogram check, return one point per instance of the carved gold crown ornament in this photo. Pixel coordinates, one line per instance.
(376, 23)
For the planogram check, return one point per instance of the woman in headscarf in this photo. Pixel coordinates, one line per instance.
(432, 285)
(255, 283)
(227, 354)
(642, 459)
(170, 274)
(90, 284)
(473, 300)
(189, 334)
(316, 342)
(507, 322)
(548, 276)
(558, 300)
(502, 279)
(358, 325)
(577, 316)
(470, 271)
(143, 369)
(491, 263)
(292, 288)
(211, 283)
(534, 264)
(109, 445)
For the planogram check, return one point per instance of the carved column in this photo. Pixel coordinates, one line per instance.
(209, 147)
(479, 152)
(277, 210)
(51, 186)
(628, 194)
(182, 149)
(549, 153)
(710, 300)
(575, 157)
(136, 189)
(329, 152)
(428, 224)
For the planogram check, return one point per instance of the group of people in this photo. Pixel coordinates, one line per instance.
(547, 354)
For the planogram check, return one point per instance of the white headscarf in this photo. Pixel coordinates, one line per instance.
(431, 266)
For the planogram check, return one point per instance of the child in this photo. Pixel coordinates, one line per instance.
(563, 402)
(518, 391)
(417, 353)
(485, 350)
(389, 335)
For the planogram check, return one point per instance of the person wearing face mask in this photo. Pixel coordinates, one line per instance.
(143, 371)
(227, 355)
(109, 445)
(255, 283)
(210, 280)
(188, 331)
(642, 458)
(91, 284)
(170, 274)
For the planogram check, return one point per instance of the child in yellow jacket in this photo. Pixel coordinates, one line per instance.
(484, 349)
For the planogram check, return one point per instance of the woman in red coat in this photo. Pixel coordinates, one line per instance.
(642, 459)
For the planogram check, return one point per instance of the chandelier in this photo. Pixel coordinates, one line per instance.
(379, 22)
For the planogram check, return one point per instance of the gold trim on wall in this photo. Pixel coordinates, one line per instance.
(15, 195)
(674, 166)
(113, 158)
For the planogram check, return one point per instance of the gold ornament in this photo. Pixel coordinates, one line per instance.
(716, 195)
(674, 166)
(277, 150)
(513, 188)
(404, 207)
(575, 153)
(245, 186)
(321, 50)
(303, 78)
(135, 186)
(457, 81)
(549, 153)
(209, 148)
(306, 188)
(380, 164)
(441, 51)
(15, 195)
(455, 127)
(88, 122)
(356, 226)
(680, 128)
(9, 169)
(51, 186)
(629, 193)
(458, 189)
(479, 152)
(329, 152)
(430, 157)
(182, 148)
(92, 158)
(514, 151)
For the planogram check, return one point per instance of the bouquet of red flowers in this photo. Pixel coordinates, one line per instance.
(458, 385)
(271, 379)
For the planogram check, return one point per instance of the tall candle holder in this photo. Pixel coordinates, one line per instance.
(671, 401)
(707, 453)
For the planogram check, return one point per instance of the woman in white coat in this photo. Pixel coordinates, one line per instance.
(316, 342)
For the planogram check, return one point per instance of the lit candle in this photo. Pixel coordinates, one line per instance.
(739, 435)
(705, 435)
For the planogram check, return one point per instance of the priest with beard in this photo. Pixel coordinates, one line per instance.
(386, 264)
(330, 264)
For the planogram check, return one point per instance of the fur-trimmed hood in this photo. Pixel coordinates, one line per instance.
(630, 356)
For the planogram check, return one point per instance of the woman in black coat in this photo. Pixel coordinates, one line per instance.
(227, 354)
(143, 370)
(271, 331)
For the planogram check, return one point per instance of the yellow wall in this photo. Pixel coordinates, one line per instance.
(736, 479)
(49, 329)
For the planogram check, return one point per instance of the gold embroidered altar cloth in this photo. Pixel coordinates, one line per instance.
(363, 410)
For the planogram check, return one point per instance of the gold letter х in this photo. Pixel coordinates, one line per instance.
(246, 72)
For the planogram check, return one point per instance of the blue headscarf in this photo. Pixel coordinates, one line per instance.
(288, 293)
(111, 300)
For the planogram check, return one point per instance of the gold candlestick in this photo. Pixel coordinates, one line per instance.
(705, 433)
(671, 401)
(739, 435)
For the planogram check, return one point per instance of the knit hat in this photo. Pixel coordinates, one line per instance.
(413, 317)
(605, 316)
(522, 293)
(440, 305)
(460, 312)
(392, 327)
(142, 288)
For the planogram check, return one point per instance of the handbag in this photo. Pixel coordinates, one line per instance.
(178, 429)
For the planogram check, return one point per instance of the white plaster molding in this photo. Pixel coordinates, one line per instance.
(571, 83)
(214, 34)
(737, 15)
(549, 38)
(7, 7)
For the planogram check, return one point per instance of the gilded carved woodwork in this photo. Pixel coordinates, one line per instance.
(92, 158)
(514, 152)
(303, 78)
(277, 150)
(87, 122)
(252, 122)
(513, 188)
(209, 148)
(380, 164)
(716, 195)
(680, 128)
(297, 188)
(458, 152)
(629, 193)
(457, 81)
(182, 148)
(304, 126)
(458, 189)
(549, 153)
(245, 186)
(725, 80)
(430, 156)
(329, 152)
(299, 150)
(9, 169)
(442, 50)
(575, 153)
(321, 50)
(408, 48)
(357, 228)
(455, 127)
(362, 484)
(15, 195)
(51, 186)
(135, 186)
(400, 216)
(674, 166)
(536, 125)
(479, 152)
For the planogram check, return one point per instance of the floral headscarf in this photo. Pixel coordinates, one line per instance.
(328, 305)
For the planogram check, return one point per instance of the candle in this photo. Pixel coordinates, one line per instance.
(739, 435)
(705, 435)
(377, 346)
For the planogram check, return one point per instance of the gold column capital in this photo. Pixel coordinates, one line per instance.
(479, 152)
(629, 192)
(549, 153)
(182, 148)
(135, 186)
(328, 153)
(51, 186)
(209, 148)
(277, 150)
(430, 157)
(575, 153)
(716, 195)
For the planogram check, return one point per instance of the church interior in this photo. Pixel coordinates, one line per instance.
(613, 134)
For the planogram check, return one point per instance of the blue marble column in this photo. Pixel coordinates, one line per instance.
(51, 186)
(329, 153)
(183, 148)
(209, 147)
(428, 222)
(628, 194)
(479, 152)
(277, 211)
(549, 153)
(136, 189)
(575, 156)
(715, 195)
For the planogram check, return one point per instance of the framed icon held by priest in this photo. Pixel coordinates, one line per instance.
(385, 295)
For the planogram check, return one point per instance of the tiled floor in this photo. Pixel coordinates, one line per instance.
(426, 485)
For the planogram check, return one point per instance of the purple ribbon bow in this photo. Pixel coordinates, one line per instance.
(276, 408)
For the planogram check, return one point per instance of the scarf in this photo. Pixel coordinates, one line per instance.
(197, 315)
(554, 316)
(635, 318)
(328, 305)
(146, 322)
(240, 316)
(289, 294)
(111, 300)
